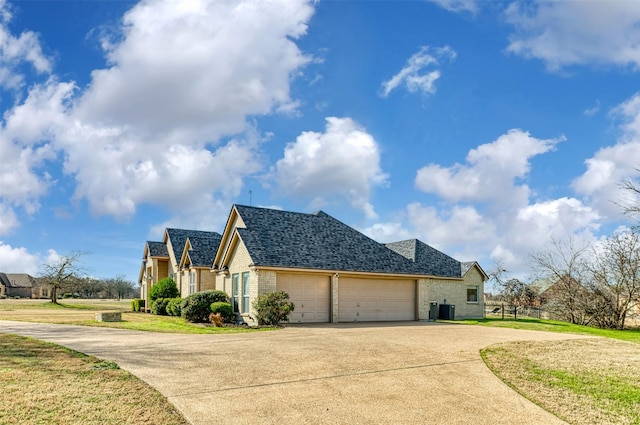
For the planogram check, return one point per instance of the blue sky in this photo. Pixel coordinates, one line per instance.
(482, 128)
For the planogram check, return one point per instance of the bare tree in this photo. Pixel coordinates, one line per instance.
(632, 206)
(615, 278)
(62, 272)
(565, 265)
(122, 287)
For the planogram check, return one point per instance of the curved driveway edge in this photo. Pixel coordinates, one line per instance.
(392, 373)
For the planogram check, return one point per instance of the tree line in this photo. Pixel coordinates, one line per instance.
(65, 277)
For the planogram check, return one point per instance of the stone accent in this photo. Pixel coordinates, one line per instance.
(109, 316)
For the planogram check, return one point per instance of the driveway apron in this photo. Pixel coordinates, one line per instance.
(374, 373)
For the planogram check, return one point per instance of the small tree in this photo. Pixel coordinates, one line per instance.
(62, 273)
(166, 288)
(273, 308)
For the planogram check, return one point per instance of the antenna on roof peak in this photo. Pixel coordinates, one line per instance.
(250, 196)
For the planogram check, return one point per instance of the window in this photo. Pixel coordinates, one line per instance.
(472, 294)
(45, 292)
(245, 292)
(234, 291)
(192, 283)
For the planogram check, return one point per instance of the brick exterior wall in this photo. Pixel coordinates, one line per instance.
(239, 263)
(451, 291)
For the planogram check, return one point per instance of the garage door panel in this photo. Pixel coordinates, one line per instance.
(310, 294)
(362, 299)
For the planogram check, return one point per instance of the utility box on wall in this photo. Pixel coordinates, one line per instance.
(433, 311)
(447, 312)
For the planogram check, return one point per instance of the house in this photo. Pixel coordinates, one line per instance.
(333, 273)
(184, 255)
(16, 285)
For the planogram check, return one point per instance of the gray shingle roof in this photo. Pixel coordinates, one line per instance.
(157, 249)
(203, 248)
(314, 241)
(178, 238)
(17, 280)
(428, 259)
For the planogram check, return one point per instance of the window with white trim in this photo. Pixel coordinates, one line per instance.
(235, 291)
(245, 292)
(192, 283)
(472, 294)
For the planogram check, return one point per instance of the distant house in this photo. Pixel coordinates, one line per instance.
(17, 285)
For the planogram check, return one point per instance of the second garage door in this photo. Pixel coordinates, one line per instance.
(310, 294)
(370, 300)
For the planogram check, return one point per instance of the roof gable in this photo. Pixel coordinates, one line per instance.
(201, 249)
(156, 249)
(314, 241)
(178, 238)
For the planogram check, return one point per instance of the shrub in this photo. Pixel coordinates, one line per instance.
(159, 306)
(3, 297)
(225, 310)
(273, 308)
(166, 288)
(137, 304)
(196, 307)
(67, 295)
(216, 319)
(173, 307)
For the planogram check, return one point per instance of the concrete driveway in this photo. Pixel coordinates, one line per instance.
(398, 373)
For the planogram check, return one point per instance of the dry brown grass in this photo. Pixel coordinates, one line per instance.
(41, 383)
(591, 381)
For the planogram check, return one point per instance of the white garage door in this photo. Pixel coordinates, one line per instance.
(310, 294)
(370, 300)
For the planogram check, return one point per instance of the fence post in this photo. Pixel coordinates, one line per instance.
(515, 312)
(502, 311)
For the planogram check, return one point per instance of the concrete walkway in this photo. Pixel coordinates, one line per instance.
(399, 373)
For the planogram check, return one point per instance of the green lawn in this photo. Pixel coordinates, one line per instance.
(631, 335)
(82, 312)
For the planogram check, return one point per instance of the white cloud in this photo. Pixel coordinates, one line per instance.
(564, 33)
(493, 173)
(18, 260)
(418, 74)
(16, 50)
(612, 165)
(21, 181)
(388, 232)
(343, 161)
(194, 70)
(592, 111)
(489, 212)
(458, 5)
(180, 76)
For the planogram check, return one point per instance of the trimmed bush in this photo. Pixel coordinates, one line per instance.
(137, 304)
(159, 306)
(173, 307)
(273, 308)
(166, 288)
(197, 307)
(67, 295)
(225, 310)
